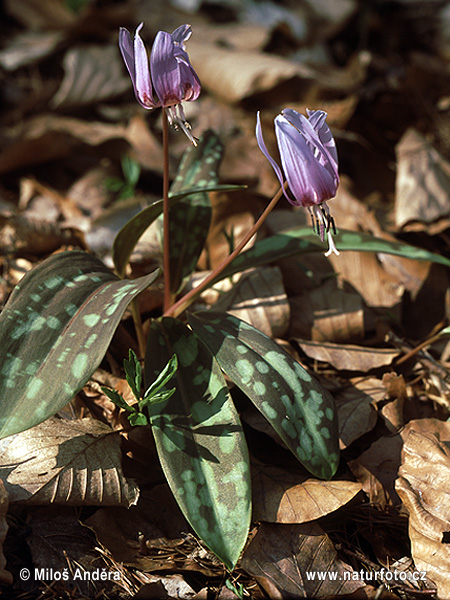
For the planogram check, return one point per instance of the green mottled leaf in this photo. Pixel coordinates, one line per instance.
(303, 241)
(200, 441)
(190, 219)
(129, 235)
(300, 410)
(54, 332)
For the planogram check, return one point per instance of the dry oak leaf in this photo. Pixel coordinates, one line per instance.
(66, 462)
(423, 485)
(290, 555)
(280, 496)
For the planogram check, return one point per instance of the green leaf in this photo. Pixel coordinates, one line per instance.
(163, 378)
(129, 235)
(303, 241)
(200, 441)
(133, 373)
(54, 332)
(118, 399)
(138, 418)
(300, 410)
(190, 220)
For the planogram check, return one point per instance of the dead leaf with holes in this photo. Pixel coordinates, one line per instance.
(66, 462)
(423, 485)
(280, 496)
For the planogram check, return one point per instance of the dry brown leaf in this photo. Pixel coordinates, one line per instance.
(41, 14)
(376, 469)
(392, 412)
(84, 83)
(286, 554)
(259, 299)
(348, 357)
(423, 485)
(242, 73)
(329, 314)
(423, 181)
(66, 462)
(29, 47)
(283, 497)
(5, 576)
(48, 137)
(356, 410)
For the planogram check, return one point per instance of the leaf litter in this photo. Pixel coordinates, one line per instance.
(367, 324)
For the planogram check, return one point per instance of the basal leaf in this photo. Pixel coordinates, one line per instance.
(129, 235)
(190, 219)
(200, 441)
(54, 332)
(300, 410)
(303, 241)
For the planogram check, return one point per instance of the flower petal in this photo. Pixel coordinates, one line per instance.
(317, 120)
(181, 34)
(309, 180)
(166, 75)
(142, 82)
(127, 51)
(263, 148)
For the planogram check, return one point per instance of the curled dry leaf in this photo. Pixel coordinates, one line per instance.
(66, 462)
(423, 180)
(5, 576)
(283, 497)
(286, 554)
(423, 485)
(259, 299)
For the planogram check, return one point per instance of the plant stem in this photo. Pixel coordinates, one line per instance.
(142, 342)
(177, 308)
(166, 238)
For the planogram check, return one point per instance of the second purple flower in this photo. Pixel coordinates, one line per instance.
(310, 165)
(170, 78)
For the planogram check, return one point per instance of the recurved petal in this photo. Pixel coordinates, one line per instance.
(166, 75)
(309, 180)
(317, 120)
(142, 82)
(181, 34)
(127, 51)
(263, 148)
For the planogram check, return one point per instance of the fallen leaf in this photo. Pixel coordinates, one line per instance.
(66, 462)
(5, 576)
(259, 299)
(423, 180)
(356, 409)
(423, 485)
(348, 357)
(296, 559)
(280, 496)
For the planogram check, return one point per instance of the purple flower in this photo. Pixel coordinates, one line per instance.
(310, 165)
(170, 79)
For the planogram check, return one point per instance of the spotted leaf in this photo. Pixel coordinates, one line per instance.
(54, 332)
(190, 219)
(300, 410)
(200, 442)
(304, 241)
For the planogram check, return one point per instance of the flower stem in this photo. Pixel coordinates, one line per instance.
(177, 308)
(166, 239)
(142, 342)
